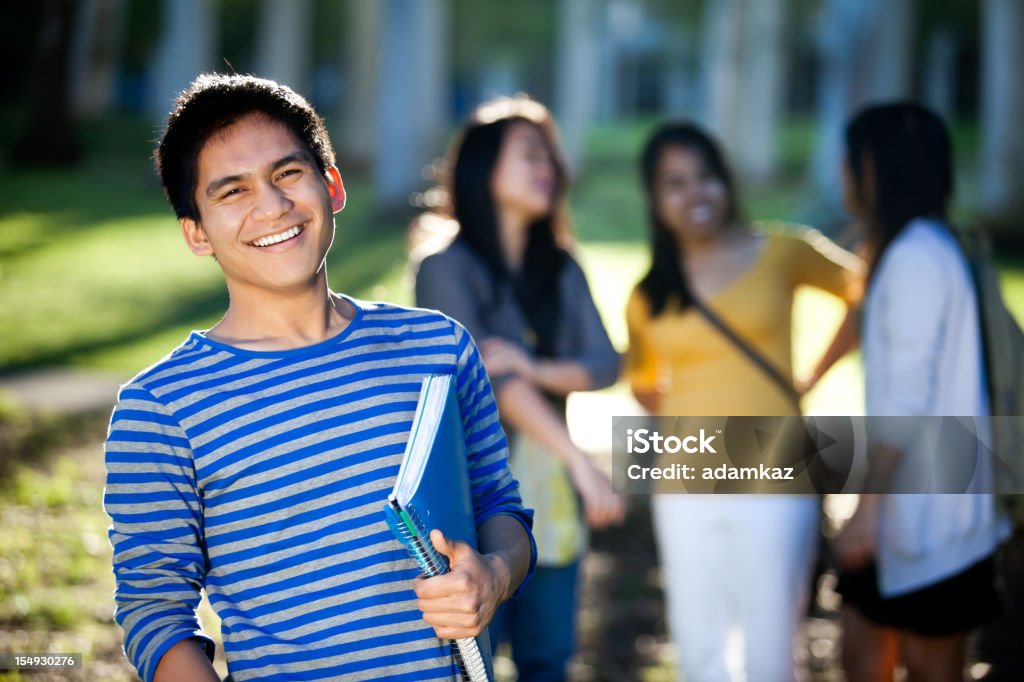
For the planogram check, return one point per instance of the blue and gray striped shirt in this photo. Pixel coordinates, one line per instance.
(261, 477)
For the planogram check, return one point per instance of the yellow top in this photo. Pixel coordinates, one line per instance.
(699, 371)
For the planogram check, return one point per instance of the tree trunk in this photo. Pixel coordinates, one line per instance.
(284, 48)
(761, 100)
(95, 55)
(413, 97)
(865, 48)
(187, 47)
(359, 92)
(1002, 108)
(48, 138)
(940, 73)
(744, 80)
(576, 94)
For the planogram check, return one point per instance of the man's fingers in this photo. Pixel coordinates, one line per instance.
(467, 604)
(454, 582)
(447, 632)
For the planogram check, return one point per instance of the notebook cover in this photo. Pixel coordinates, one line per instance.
(443, 500)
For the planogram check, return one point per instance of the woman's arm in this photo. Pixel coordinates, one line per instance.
(558, 377)
(590, 363)
(642, 368)
(523, 406)
(847, 337)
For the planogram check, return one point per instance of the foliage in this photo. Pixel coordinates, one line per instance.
(519, 31)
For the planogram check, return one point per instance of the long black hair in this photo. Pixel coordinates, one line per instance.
(666, 283)
(909, 149)
(471, 165)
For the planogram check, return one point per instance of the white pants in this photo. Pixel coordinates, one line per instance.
(735, 564)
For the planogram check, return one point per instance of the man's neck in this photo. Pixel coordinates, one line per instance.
(273, 321)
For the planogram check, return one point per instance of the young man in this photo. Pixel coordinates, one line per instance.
(254, 461)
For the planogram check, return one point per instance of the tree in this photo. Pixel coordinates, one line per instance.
(577, 76)
(744, 79)
(866, 49)
(359, 95)
(48, 138)
(96, 55)
(284, 51)
(412, 97)
(187, 41)
(1002, 107)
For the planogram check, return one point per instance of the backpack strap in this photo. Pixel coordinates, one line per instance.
(765, 365)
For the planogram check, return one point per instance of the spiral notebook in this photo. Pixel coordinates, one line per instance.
(432, 491)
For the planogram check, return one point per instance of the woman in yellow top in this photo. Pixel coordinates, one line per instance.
(740, 562)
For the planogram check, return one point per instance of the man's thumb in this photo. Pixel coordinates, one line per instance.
(443, 545)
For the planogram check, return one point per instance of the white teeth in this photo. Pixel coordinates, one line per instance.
(279, 237)
(701, 213)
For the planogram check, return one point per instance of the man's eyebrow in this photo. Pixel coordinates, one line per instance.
(295, 157)
(215, 185)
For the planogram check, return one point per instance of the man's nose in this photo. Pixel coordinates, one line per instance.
(271, 202)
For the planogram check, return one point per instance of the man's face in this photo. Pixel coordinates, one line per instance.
(266, 211)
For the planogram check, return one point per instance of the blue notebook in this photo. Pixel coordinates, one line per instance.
(432, 491)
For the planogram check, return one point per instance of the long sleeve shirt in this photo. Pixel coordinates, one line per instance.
(261, 477)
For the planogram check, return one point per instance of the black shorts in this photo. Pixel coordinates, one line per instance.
(960, 603)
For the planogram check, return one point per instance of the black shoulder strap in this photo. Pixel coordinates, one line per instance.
(762, 362)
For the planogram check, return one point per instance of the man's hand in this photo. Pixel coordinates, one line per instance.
(186, 660)
(462, 602)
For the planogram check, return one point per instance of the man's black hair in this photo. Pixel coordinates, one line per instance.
(213, 102)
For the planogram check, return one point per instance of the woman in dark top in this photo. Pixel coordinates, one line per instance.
(505, 274)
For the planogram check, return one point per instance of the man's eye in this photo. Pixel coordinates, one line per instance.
(231, 192)
(287, 173)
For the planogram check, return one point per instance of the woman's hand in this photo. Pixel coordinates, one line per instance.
(601, 505)
(502, 357)
(857, 542)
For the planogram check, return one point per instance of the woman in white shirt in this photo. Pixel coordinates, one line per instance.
(917, 568)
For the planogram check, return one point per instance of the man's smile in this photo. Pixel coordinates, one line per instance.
(279, 237)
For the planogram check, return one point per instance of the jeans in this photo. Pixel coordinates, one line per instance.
(540, 624)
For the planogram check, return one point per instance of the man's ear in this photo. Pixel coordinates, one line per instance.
(195, 237)
(336, 188)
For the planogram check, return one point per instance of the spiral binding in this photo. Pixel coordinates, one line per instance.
(466, 651)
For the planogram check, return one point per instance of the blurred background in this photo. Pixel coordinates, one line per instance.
(95, 283)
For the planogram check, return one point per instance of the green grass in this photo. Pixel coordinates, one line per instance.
(55, 577)
(118, 289)
(56, 583)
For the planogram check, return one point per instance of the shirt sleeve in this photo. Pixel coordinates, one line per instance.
(493, 488)
(156, 533)
(642, 367)
(596, 353)
(901, 370)
(819, 262)
(441, 284)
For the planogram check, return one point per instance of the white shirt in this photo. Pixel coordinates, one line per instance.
(923, 357)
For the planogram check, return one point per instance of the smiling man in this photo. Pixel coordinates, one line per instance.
(255, 459)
